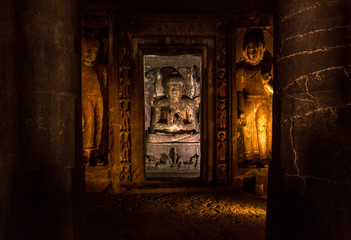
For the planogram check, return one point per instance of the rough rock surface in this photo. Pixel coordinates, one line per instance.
(235, 216)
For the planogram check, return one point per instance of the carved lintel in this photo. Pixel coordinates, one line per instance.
(174, 28)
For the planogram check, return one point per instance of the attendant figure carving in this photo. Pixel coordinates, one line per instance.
(125, 116)
(221, 84)
(125, 173)
(221, 115)
(254, 94)
(221, 146)
(92, 103)
(125, 84)
(125, 145)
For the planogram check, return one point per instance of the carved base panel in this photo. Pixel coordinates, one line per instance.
(173, 160)
(184, 138)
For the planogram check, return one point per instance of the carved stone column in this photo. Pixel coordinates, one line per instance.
(40, 120)
(310, 176)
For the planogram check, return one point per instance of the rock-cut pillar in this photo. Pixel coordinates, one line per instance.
(310, 177)
(39, 114)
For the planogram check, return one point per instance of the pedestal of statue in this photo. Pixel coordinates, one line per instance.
(173, 155)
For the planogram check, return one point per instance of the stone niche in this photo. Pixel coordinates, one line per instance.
(172, 96)
(95, 122)
(94, 95)
(254, 90)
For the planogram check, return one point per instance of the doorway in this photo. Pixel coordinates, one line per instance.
(172, 92)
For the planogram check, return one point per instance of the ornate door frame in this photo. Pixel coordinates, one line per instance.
(141, 35)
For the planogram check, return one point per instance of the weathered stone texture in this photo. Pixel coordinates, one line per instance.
(39, 102)
(313, 109)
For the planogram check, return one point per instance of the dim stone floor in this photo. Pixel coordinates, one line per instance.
(229, 215)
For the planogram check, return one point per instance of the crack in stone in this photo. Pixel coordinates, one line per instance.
(347, 71)
(307, 90)
(300, 177)
(322, 109)
(293, 146)
(292, 142)
(293, 82)
(293, 118)
(304, 177)
(306, 87)
(315, 31)
(333, 110)
(112, 143)
(314, 6)
(309, 52)
(300, 99)
(316, 73)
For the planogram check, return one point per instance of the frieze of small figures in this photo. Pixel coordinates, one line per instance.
(124, 77)
(125, 173)
(221, 114)
(221, 83)
(125, 116)
(221, 145)
(125, 148)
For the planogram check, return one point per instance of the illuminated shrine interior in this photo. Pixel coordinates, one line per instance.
(167, 120)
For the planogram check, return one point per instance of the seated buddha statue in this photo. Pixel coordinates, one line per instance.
(174, 112)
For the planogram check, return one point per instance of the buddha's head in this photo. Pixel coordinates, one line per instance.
(174, 87)
(90, 50)
(253, 47)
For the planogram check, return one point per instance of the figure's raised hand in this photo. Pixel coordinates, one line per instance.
(242, 120)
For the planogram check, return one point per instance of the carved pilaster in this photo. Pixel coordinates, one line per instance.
(221, 109)
(124, 99)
